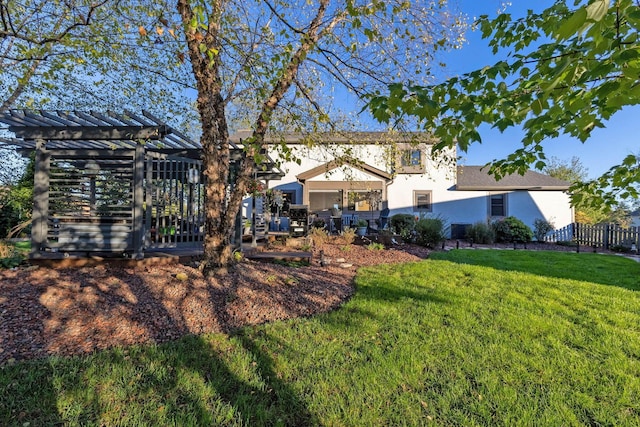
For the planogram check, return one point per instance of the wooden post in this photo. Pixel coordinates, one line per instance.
(138, 199)
(606, 237)
(148, 202)
(39, 227)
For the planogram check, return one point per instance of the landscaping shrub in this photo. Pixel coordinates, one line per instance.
(404, 225)
(429, 232)
(511, 229)
(319, 236)
(9, 256)
(481, 233)
(542, 227)
(348, 235)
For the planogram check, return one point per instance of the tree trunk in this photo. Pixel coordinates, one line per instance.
(219, 220)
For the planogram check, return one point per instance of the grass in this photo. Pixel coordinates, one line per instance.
(472, 338)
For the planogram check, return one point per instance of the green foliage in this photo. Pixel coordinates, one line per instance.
(511, 229)
(429, 232)
(572, 171)
(403, 224)
(10, 255)
(16, 200)
(569, 69)
(541, 227)
(481, 233)
(375, 246)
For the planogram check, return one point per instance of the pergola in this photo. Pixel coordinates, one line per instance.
(116, 183)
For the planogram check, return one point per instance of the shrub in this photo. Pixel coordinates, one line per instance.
(319, 236)
(542, 227)
(348, 235)
(511, 229)
(362, 223)
(481, 233)
(9, 256)
(404, 225)
(430, 232)
(375, 246)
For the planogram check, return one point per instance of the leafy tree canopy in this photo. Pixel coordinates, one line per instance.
(568, 70)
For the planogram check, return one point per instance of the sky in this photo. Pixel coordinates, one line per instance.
(606, 147)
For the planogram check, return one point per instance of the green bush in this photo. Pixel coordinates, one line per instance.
(481, 233)
(429, 232)
(10, 256)
(511, 229)
(541, 227)
(404, 225)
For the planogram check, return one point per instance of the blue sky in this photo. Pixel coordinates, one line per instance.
(606, 147)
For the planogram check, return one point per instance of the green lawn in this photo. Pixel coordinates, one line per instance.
(471, 337)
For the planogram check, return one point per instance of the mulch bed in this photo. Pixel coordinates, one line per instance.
(73, 311)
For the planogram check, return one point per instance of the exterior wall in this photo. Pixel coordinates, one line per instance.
(455, 207)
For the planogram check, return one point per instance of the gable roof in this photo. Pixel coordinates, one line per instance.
(477, 178)
(334, 164)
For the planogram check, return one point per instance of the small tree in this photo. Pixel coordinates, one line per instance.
(542, 227)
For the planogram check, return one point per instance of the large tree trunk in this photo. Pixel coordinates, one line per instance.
(219, 220)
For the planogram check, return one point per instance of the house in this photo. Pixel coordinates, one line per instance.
(369, 175)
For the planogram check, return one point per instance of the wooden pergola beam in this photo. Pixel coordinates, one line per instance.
(70, 133)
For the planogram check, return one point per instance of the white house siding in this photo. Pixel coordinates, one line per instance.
(455, 207)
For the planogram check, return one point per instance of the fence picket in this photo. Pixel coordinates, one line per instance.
(601, 235)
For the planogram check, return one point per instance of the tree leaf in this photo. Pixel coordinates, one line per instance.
(597, 10)
(572, 25)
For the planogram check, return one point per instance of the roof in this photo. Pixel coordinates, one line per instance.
(335, 164)
(92, 130)
(477, 178)
(353, 138)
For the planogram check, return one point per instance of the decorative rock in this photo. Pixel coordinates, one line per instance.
(346, 265)
(341, 260)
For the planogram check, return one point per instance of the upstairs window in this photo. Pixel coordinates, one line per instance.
(498, 205)
(410, 160)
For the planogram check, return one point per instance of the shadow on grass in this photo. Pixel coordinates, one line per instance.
(610, 270)
(194, 380)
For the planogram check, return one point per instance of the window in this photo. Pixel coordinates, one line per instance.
(410, 160)
(498, 205)
(422, 201)
(324, 200)
(363, 201)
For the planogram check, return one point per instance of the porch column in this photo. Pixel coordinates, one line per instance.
(39, 226)
(138, 201)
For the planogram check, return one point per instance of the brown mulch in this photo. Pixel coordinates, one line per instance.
(72, 311)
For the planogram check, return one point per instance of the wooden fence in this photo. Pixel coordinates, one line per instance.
(602, 235)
